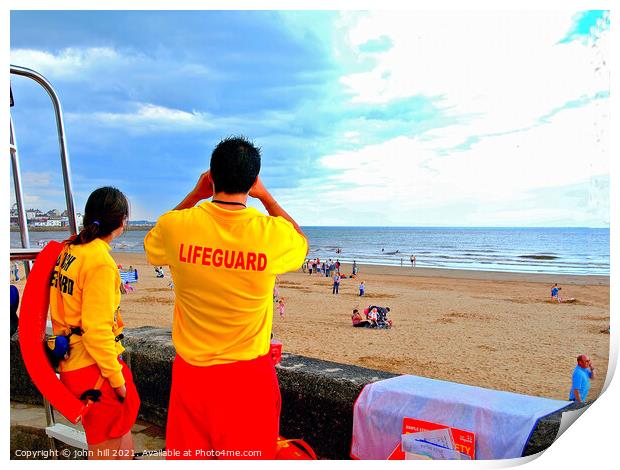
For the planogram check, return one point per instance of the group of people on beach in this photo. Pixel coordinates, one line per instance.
(376, 317)
(225, 355)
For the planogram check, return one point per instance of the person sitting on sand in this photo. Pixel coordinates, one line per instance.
(372, 317)
(128, 287)
(358, 321)
(382, 319)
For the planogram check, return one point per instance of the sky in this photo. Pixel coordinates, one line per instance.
(364, 118)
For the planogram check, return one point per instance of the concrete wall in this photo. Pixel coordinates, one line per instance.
(317, 396)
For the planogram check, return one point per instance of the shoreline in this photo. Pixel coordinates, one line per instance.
(448, 273)
(130, 228)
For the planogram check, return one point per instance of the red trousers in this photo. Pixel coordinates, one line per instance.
(108, 418)
(226, 411)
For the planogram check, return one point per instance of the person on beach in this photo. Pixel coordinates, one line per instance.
(276, 291)
(336, 283)
(85, 307)
(362, 289)
(583, 373)
(555, 293)
(358, 321)
(15, 271)
(372, 317)
(281, 307)
(224, 258)
(354, 270)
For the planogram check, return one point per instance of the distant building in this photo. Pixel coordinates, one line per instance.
(32, 214)
(54, 213)
(53, 223)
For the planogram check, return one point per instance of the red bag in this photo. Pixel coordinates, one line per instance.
(275, 351)
(294, 449)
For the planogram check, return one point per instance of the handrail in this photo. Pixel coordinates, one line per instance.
(64, 154)
(18, 254)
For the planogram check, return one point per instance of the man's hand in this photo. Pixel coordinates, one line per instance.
(204, 187)
(258, 190)
(202, 190)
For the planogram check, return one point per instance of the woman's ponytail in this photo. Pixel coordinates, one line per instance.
(106, 210)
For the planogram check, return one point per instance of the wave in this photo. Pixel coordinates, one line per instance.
(539, 256)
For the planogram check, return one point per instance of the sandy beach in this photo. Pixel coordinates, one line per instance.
(488, 329)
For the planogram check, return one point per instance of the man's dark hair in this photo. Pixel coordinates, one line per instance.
(235, 164)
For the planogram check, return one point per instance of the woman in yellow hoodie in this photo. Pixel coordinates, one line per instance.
(85, 306)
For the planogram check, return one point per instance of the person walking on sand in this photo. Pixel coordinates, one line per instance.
(224, 258)
(412, 260)
(583, 373)
(336, 283)
(362, 288)
(281, 307)
(555, 293)
(276, 291)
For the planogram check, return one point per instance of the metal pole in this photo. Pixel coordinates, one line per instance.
(64, 154)
(19, 195)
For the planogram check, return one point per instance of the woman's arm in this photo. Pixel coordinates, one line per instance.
(98, 309)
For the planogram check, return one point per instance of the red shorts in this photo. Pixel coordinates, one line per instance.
(108, 418)
(226, 411)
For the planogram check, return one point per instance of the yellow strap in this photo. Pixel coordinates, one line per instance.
(99, 383)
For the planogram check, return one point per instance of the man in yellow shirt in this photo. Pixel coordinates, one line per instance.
(224, 258)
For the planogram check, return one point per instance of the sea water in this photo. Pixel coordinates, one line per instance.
(582, 251)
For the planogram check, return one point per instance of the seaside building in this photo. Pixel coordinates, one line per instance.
(37, 218)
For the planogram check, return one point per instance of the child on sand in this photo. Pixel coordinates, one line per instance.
(362, 287)
(276, 291)
(281, 306)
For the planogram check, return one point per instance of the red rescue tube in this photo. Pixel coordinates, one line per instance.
(31, 330)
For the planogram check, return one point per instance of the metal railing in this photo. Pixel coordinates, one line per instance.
(64, 158)
(26, 253)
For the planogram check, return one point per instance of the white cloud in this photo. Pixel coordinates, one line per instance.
(504, 69)
(403, 180)
(74, 64)
(504, 72)
(89, 63)
(151, 115)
